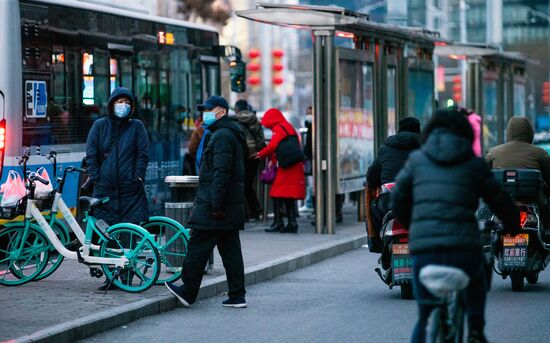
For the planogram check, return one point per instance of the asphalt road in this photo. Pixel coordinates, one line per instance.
(338, 300)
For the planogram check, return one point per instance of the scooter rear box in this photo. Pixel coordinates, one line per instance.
(522, 184)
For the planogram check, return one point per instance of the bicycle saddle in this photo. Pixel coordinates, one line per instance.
(92, 203)
(443, 280)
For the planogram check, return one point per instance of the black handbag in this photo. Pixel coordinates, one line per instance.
(289, 152)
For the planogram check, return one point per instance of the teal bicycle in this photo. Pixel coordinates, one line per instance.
(126, 253)
(170, 236)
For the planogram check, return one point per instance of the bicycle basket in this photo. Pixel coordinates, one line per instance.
(45, 204)
(12, 212)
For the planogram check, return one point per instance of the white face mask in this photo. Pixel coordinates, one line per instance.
(309, 117)
(122, 109)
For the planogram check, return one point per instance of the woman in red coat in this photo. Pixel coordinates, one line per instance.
(289, 184)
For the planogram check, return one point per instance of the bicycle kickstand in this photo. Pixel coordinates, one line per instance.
(116, 274)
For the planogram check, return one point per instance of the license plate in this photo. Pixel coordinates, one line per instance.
(400, 249)
(401, 264)
(515, 249)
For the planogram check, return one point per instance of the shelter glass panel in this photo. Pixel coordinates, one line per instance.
(519, 99)
(355, 123)
(392, 104)
(490, 126)
(420, 96)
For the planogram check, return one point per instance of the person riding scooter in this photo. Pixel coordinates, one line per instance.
(519, 153)
(389, 161)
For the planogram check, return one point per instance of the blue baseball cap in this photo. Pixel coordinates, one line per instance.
(213, 101)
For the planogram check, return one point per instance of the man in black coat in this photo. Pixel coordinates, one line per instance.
(389, 161)
(117, 155)
(219, 211)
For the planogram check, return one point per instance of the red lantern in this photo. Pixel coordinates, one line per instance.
(277, 67)
(253, 66)
(254, 80)
(278, 80)
(254, 53)
(278, 53)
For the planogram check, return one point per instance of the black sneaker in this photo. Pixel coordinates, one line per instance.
(237, 302)
(178, 292)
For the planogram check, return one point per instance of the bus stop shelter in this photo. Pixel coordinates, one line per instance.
(360, 93)
(495, 86)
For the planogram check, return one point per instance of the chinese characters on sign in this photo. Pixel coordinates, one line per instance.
(401, 263)
(515, 250)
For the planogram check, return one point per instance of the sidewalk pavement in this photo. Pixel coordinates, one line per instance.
(67, 305)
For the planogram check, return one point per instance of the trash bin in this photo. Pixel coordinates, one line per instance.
(183, 190)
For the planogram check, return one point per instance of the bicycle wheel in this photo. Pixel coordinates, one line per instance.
(172, 247)
(138, 247)
(457, 329)
(434, 328)
(55, 258)
(19, 266)
(407, 291)
(518, 281)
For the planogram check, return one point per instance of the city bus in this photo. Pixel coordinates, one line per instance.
(61, 59)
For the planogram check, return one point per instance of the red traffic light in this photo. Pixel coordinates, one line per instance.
(278, 53)
(254, 53)
(546, 93)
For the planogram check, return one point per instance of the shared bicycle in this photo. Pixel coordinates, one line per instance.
(132, 257)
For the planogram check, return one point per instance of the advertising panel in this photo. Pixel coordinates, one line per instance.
(355, 123)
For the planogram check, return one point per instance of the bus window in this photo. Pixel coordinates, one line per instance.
(125, 71)
(113, 72)
(88, 78)
(101, 80)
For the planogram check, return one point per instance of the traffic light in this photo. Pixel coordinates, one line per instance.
(457, 89)
(237, 73)
(546, 93)
(277, 67)
(254, 67)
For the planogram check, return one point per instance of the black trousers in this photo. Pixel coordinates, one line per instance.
(200, 247)
(252, 202)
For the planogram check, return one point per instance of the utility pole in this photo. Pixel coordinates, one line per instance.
(494, 22)
(463, 39)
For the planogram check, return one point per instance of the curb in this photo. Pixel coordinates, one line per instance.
(108, 319)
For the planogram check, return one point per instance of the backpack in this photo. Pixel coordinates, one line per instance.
(253, 144)
(289, 151)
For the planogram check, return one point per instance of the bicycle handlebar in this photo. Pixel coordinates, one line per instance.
(34, 177)
(76, 169)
